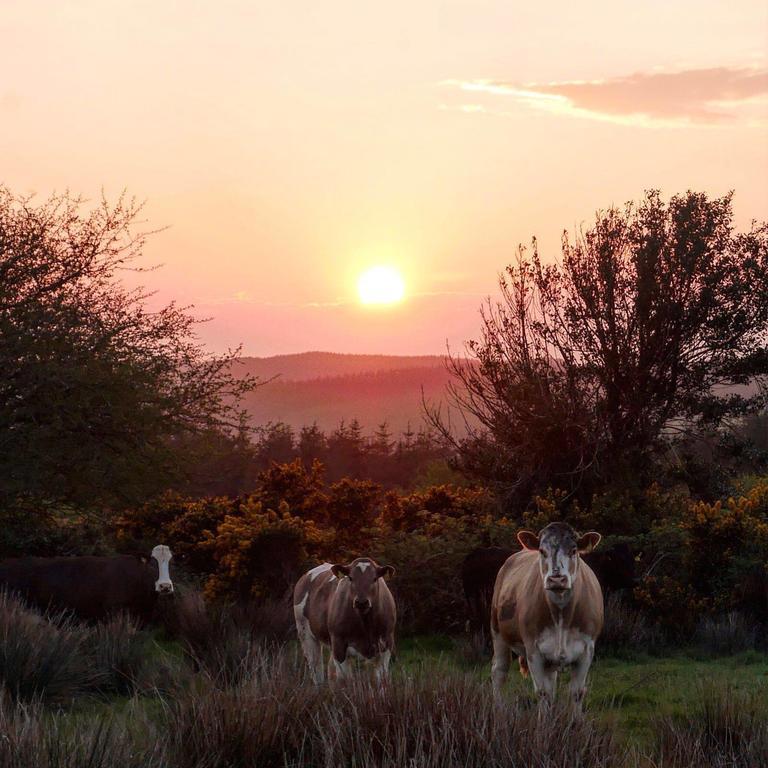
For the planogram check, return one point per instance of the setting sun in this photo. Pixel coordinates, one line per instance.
(380, 285)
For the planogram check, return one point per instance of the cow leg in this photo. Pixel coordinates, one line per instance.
(544, 681)
(500, 664)
(382, 666)
(313, 651)
(340, 658)
(579, 679)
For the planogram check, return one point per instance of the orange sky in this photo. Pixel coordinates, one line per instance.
(288, 145)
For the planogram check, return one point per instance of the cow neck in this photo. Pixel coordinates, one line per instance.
(367, 620)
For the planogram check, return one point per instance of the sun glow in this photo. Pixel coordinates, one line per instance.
(380, 285)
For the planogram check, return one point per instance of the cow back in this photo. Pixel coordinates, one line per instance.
(91, 587)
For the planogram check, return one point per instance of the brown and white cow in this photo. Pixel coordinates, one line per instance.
(350, 609)
(548, 608)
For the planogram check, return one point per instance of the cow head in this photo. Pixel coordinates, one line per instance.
(363, 575)
(162, 554)
(559, 547)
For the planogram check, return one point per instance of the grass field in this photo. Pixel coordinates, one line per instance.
(629, 694)
(221, 696)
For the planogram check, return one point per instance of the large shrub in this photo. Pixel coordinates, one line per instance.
(260, 552)
(727, 551)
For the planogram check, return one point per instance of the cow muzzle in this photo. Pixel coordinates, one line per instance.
(557, 584)
(164, 588)
(363, 606)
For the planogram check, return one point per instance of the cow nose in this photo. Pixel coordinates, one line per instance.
(362, 605)
(556, 581)
(165, 589)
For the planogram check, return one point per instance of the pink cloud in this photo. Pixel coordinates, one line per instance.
(713, 95)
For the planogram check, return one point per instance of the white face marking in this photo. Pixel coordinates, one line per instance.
(163, 555)
(318, 569)
(556, 564)
(363, 566)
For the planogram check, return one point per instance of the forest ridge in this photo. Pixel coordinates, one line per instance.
(326, 388)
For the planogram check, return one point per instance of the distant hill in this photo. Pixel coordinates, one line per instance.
(320, 365)
(325, 388)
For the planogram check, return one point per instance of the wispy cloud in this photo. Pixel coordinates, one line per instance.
(708, 96)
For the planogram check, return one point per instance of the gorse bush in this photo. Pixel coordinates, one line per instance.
(728, 549)
(254, 548)
(699, 559)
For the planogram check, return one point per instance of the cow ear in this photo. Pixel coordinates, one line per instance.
(384, 570)
(528, 540)
(339, 570)
(588, 541)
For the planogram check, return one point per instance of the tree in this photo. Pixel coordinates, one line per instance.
(653, 324)
(313, 445)
(98, 391)
(276, 443)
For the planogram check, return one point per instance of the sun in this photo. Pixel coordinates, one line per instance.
(380, 285)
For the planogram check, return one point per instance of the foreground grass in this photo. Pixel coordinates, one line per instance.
(627, 694)
(221, 696)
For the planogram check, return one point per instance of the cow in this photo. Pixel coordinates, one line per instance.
(614, 568)
(547, 608)
(92, 588)
(350, 609)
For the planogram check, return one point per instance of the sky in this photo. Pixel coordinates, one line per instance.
(284, 147)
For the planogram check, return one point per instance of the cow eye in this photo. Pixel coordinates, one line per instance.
(573, 551)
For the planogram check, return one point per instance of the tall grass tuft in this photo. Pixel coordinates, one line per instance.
(43, 657)
(120, 651)
(727, 729)
(34, 738)
(726, 635)
(278, 718)
(226, 642)
(627, 631)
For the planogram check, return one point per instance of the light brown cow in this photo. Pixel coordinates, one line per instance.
(350, 609)
(548, 608)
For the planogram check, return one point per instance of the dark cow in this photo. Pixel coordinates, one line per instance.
(478, 575)
(547, 608)
(614, 568)
(350, 609)
(91, 587)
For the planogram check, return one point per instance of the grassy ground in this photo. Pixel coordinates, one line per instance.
(114, 696)
(629, 693)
